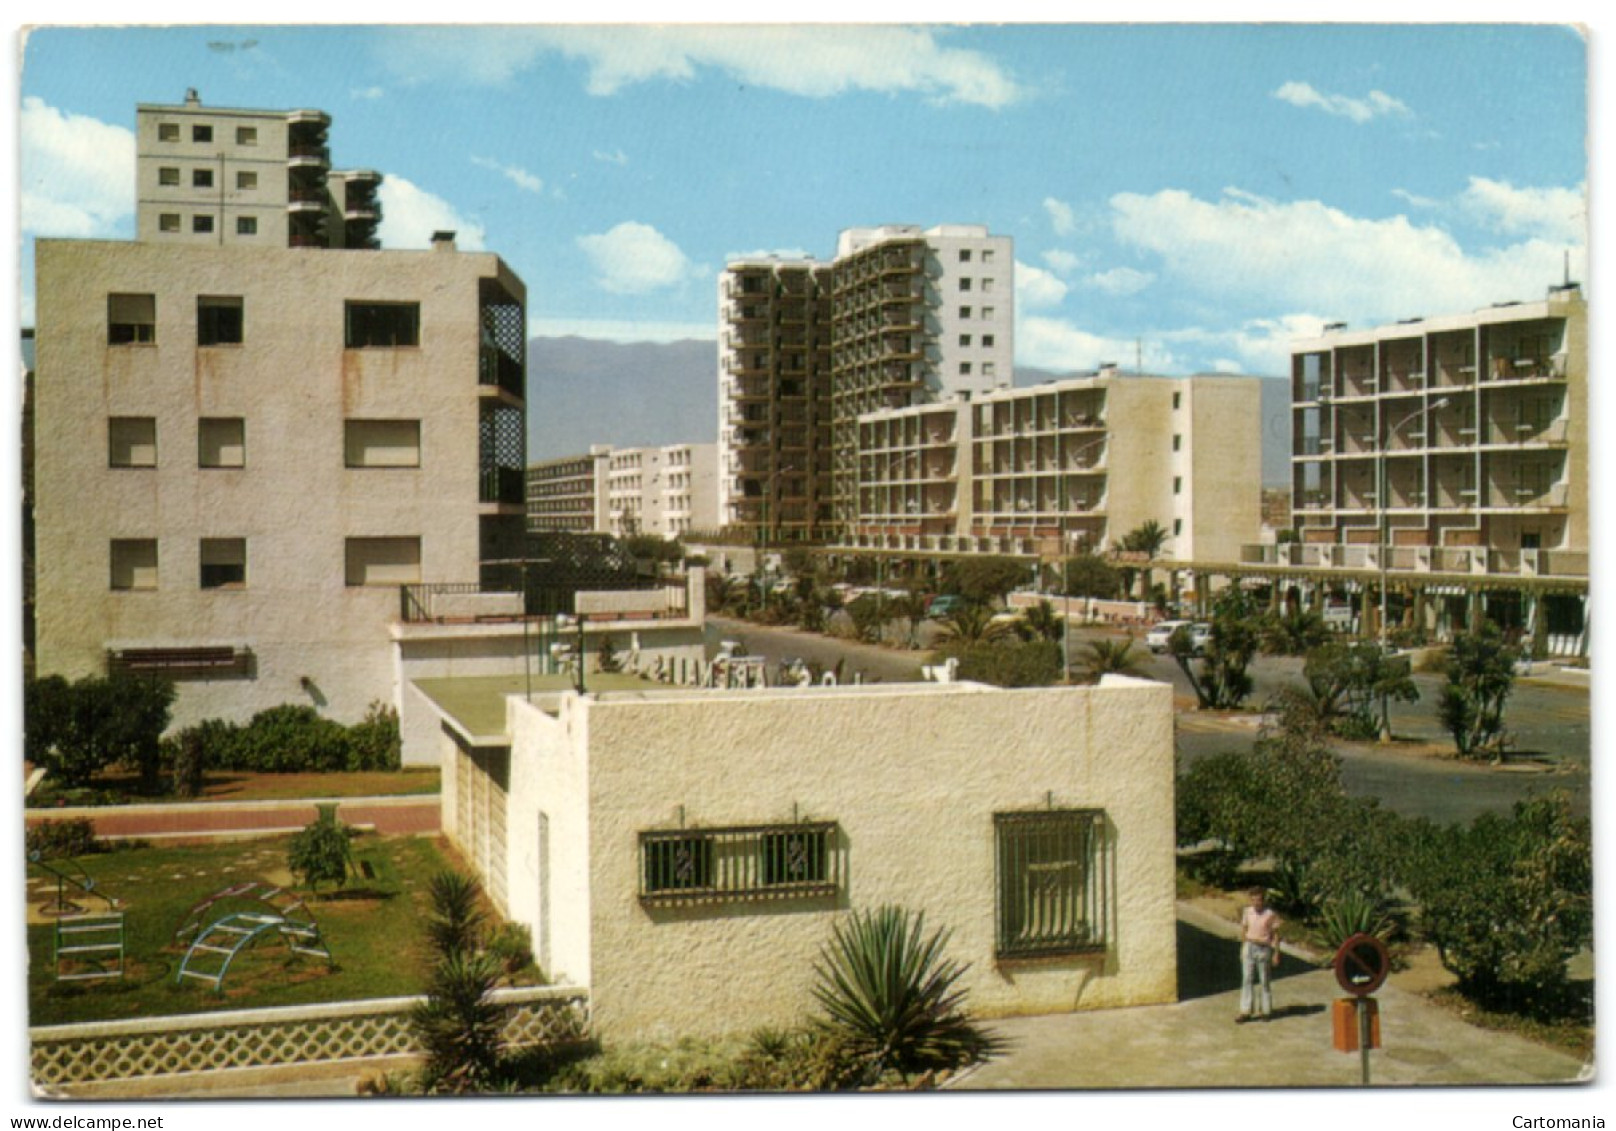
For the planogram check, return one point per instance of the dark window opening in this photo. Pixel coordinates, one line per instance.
(219, 321)
(381, 325)
(131, 320)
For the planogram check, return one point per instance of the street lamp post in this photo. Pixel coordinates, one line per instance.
(1385, 503)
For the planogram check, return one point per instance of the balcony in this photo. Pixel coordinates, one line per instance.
(308, 156)
(503, 485)
(497, 369)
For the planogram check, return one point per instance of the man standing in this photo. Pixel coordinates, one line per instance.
(1259, 955)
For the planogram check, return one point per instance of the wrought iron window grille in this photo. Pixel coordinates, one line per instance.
(1051, 870)
(741, 862)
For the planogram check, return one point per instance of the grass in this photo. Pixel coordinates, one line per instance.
(1572, 1034)
(373, 929)
(114, 788)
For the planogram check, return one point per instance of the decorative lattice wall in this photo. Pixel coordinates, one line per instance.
(163, 1046)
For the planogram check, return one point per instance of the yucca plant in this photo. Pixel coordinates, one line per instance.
(1353, 914)
(460, 1025)
(892, 1000)
(455, 924)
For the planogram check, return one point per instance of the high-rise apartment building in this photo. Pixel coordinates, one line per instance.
(260, 178)
(1066, 466)
(902, 316)
(242, 451)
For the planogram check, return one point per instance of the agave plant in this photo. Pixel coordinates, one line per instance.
(892, 999)
(1353, 914)
(1109, 657)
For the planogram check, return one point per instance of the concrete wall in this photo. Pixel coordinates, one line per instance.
(912, 775)
(1222, 468)
(294, 501)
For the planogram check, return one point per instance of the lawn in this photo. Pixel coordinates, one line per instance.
(374, 930)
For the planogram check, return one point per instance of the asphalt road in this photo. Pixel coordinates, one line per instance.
(1411, 777)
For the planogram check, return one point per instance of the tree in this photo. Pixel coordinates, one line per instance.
(1041, 622)
(1221, 683)
(1089, 575)
(971, 623)
(909, 607)
(322, 852)
(459, 1024)
(1147, 538)
(1109, 657)
(1350, 687)
(985, 579)
(892, 999)
(76, 729)
(1293, 632)
(868, 616)
(1481, 674)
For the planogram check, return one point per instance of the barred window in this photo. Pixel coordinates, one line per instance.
(743, 862)
(1051, 882)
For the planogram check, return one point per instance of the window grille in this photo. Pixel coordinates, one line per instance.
(743, 862)
(1051, 867)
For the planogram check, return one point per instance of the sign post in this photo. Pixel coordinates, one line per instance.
(1361, 966)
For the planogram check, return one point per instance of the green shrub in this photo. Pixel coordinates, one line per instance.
(1354, 914)
(290, 738)
(511, 946)
(74, 730)
(455, 923)
(187, 756)
(892, 999)
(375, 743)
(52, 840)
(322, 852)
(459, 1025)
(1008, 662)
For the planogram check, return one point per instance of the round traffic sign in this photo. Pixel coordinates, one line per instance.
(1361, 965)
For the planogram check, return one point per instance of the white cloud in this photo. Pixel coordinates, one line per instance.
(367, 94)
(1414, 200)
(1063, 262)
(635, 258)
(1252, 254)
(517, 176)
(410, 215)
(1120, 281)
(1055, 344)
(77, 174)
(1060, 216)
(1037, 288)
(1559, 214)
(616, 157)
(812, 61)
(1378, 104)
(1259, 346)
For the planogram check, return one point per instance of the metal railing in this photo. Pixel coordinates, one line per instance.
(1051, 867)
(742, 862)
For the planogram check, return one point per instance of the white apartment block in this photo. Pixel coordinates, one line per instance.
(902, 316)
(259, 178)
(1066, 466)
(241, 453)
(568, 495)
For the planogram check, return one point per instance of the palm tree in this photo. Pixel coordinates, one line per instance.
(1147, 538)
(1110, 657)
(1041, 622)
(970, 623)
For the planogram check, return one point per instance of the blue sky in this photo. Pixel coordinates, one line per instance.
(1200, 193)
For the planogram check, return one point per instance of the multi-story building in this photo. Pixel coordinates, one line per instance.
(901, 317)
(569, 494)
(1066, 466)
(242, 452)
(1453, 451)
(259, 178)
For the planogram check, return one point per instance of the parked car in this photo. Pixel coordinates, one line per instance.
(941, 606)
(1158, 638)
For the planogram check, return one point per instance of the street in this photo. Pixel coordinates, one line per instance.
(1412, 777)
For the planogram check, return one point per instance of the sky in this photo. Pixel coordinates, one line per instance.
(1192, 195)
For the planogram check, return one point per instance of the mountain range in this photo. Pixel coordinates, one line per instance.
(583, 391)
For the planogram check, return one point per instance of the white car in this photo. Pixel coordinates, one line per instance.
(1157, 638)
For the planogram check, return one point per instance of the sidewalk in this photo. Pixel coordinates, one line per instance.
(391, 816)
(1196, 1044)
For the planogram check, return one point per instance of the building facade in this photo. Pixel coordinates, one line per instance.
(1446, 459)
(242, 452)
(258, 178)
(1064, 467)
(686, 854)
(669, 491)
(569, 494)
(902, 316)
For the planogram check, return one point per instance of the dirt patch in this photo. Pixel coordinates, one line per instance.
(1423, 973)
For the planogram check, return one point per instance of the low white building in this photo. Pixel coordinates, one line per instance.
(685, 854)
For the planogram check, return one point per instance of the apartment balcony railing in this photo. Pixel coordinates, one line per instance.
(497, 368)
(1475, 560)
(502, 485)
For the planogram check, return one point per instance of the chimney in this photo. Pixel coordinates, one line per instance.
(443, 241)
(192, 98)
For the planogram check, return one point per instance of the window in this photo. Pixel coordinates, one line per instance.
(201, 223)
(382, 443)
(965, 255)
(1177, 400)
(383, 561)
(965, 339)
(218, 321)
(987, 285)
(987, 341)
(987, 255)
(379, 325)
(132, 441)
(167, 176)
(168, 222)
(131, 320)
(246, 225)
(1178, 441)
(965, 368)
(740, 862)
(168, 131)
(201, 178)
(965, 284)
(134, 563)
(965, 312)
(987, 313)
(246, 135)
(224, 563)
(1178, 485)
(202, 133)
(1178, 527)
(246, 181)
(221, 441)
(1051, 882)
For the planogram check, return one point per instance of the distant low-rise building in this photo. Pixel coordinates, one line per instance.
(568, 494)
(668, 491)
